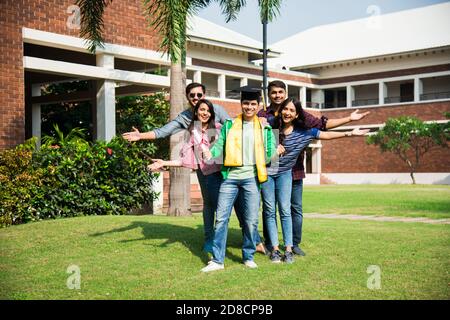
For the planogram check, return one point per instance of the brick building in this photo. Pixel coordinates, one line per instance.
(394, 64)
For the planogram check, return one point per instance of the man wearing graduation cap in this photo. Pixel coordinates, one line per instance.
(245, 145)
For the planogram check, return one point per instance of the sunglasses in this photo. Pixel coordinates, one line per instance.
(192, 95)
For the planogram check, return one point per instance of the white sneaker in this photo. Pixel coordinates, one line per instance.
(251, 264)
(212, 266)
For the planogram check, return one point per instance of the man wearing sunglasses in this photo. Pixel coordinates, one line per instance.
(194, 92)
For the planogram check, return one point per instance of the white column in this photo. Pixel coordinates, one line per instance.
(106, 102)
(303, 96)
(36, 115)
(350, 96)
(222, 86)
(418, 89)
(158, 201)
(382, 92)
(197, 76)
(318, 96)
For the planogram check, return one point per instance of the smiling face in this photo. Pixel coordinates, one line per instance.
(289, 114)
(195, 95)
(249, 108)
(277, 95)
(203, 113)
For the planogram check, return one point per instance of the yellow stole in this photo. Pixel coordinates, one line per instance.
(233, 147)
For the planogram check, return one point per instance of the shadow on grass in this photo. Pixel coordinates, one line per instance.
(191, 238)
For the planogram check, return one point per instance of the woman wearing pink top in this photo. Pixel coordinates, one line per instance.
(203, 131)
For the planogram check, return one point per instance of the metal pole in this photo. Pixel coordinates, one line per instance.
(264, 22)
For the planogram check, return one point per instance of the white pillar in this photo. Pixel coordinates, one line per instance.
(106, 102)
(158, 201)
(197, 76)
(36, 115)
(350, 96)
(303, 96)
(418, 89)
(382, 92)
(318, 96)
(316, 160)
(222, 86)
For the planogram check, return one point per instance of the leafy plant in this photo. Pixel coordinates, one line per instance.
(410, 138)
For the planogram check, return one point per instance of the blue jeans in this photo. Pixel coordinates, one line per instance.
(209, 185)
(229, 191)
(277, 190)
(238, 208)
(297, 211)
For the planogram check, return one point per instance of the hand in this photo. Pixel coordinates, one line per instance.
(263, 121)
(156, 165)
(206, 154)
(281, 150)
(357, 132)
(135, 135)
(355, 116)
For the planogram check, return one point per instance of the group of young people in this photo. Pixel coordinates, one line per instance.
(258, 154)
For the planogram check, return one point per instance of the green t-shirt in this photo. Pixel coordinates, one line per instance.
(248, 169)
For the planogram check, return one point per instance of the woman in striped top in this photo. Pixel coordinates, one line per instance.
(294, 137)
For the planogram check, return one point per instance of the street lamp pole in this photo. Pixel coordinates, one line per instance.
(264, 23)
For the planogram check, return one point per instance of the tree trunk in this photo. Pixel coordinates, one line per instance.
(411, 171)
(179, 192)
(412, 177)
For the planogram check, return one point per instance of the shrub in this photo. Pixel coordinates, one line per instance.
(19, 184)
(72, 178)
(92, 179)
(144, 113)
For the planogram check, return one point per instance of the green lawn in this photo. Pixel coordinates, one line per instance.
(159, 257)
(431, 201)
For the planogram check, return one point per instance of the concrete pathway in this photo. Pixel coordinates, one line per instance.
(375, 218)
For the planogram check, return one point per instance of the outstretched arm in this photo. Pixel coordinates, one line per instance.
(168, 129)
(158, 164)
(354, 116)
(328, 135)
(135, 135)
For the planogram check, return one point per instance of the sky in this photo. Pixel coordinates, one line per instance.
(298, 15)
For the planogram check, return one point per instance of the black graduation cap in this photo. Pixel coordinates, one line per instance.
(250, 93)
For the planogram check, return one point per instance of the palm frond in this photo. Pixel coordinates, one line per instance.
(92, 22)
(269, 9)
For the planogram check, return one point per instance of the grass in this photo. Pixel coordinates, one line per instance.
(431, 201)
(159, 257)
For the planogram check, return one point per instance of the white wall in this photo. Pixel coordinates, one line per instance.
(384, 64)
(436, 84)
(216, 54)
(366, 92)
(388, 178)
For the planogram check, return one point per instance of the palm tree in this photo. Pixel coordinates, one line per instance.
(169, 18)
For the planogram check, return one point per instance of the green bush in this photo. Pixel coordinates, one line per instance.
(20, 182)
(144, 113)
(69, 176)
(73, 178)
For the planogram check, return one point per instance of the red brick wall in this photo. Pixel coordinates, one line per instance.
(386, 74)
(353, 155)
(424, 111)
(254, 71)
(233, 108)
(124, 24)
